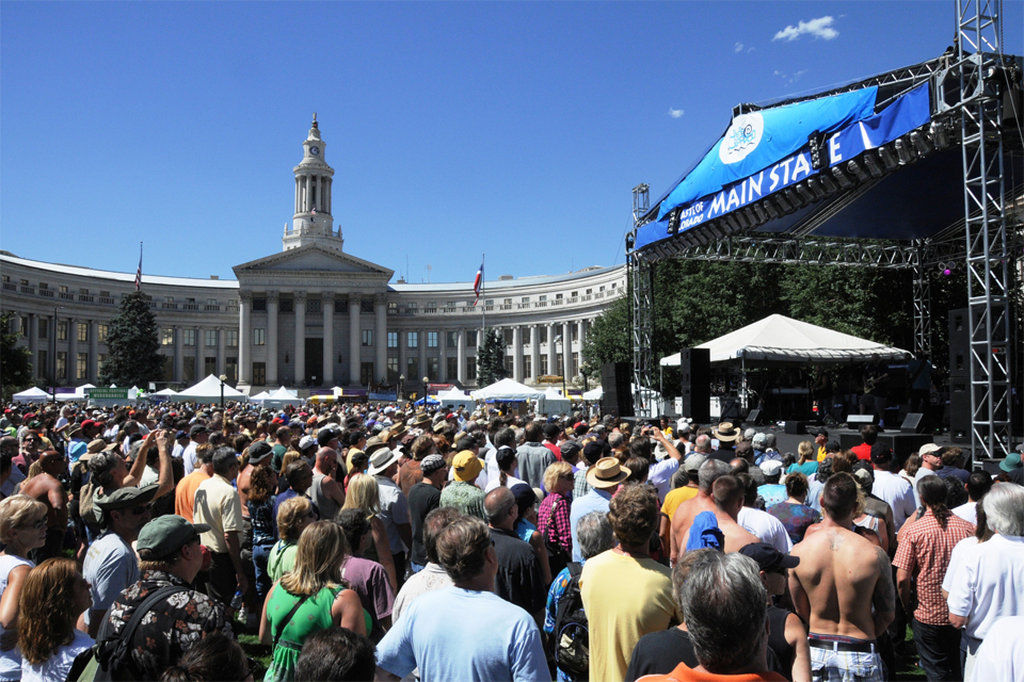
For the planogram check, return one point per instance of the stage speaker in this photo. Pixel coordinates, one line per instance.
(794, 427)
(959, 343)
(754, 417)
(959, 405)
(855, 421)
(913, 423)
(615, 380)
(695, 383)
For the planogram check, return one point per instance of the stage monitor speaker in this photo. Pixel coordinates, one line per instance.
(754, 417)
(695, 384)
(959, 342)
(855, 421)
(959, 405)
(794, 427)
(913, 423)
(615, 380)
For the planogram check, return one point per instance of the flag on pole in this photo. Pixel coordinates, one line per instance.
(312, 215)
(138, 271)
(478, 283)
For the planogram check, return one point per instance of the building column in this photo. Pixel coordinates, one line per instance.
(200, 365)
(566, 352)
(272, 308)
(552, 354)
(93, 371)
(300, 337)
(244, 356)
(442, 350)
(460, 364)
(33, 342)
(380, 309)
(72, 364)
(328, 310)
(517, 353)
(422, 334)
(535, 352)
(354, 340)
(179, 352)
(221, 347)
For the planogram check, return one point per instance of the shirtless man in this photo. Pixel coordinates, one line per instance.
(727, 492)
(842, 588)
(46, 488)
(687, 511)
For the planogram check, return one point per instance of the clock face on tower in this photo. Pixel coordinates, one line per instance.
(314, 150)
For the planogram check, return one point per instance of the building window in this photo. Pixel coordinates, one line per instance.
(189, 366)
(314, 306)
(286, 305)
(431, 339)
(451, 339)
(392, 370)
(412, 340)
(453, 367)
(62, 364)
(259, 305)
(506, 335)
(101, 332)
(365, 373)
(259, 337)
(574, 331)
(339, 305)
(558, 297)
(231, 369)
(367, 337)
(366, 306)
(574, 364)
(188, 337)
(434, 367)
(470, 369)
(471, 338)
(44, 362)
(211, 338)
(167, 337)
(233, 338)
(62, 330)
(524, 299)
(209, 366)
(101, 359)
(259, 373)
(412, 369)
(44, 327)
(543, 335)
(392, 339)
(82, 366)
(527, 366)
(542, 298)
(63, 288)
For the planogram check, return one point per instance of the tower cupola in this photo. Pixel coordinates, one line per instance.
(312, 221)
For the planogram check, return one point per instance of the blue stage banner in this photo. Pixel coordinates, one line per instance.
(908, 112)
(390, 397)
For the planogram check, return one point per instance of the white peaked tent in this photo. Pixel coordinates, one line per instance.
(31, 395)
(594, 393)
(506, 389)
(259, 397)
(553, 402)
(167, 392)
(79, 393)
(778, 338)
(281, 397)
(208, 390)
(454, 397)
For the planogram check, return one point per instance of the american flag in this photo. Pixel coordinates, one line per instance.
(138, 271)
(478, 283)
(312, 214)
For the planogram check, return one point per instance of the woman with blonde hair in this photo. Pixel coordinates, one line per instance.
(293, 516)
(808, 459)
(54, 595)
(364, 494)
(22, 529)
(311, 597)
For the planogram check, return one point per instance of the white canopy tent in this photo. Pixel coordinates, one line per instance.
(279, 398)
(553, 402)
(454, 397)
(31, 395)
(507, 389)
(79, 393)
(594, 394)
(778, 338)
(166, 392)
(208, 390)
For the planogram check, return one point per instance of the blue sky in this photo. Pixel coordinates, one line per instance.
(455, 129)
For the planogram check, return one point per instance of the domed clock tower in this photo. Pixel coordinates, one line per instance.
(312, 222)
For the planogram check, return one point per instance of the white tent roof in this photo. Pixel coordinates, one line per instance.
(553, 393)
(259, 397)
(453, 393)
(778, 338)
(506, 389)
(79, 393)
(169, 391)
(31, 395)
(208, 390)
(594, 393)
(282, 396)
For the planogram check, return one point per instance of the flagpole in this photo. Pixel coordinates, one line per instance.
(483, 308)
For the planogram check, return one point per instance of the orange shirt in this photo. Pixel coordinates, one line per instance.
(185, 493)
(683, 673)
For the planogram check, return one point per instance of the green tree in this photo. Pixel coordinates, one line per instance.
(132, 344)
(608, 338)
(15, 361)
(490, 359)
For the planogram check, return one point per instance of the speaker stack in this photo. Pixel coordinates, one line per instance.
(695, 384)
(959, 374)
(615, 380)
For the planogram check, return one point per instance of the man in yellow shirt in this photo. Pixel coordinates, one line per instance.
(821, 440)
(677, 496)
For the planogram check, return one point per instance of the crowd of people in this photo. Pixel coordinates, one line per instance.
(378, 541)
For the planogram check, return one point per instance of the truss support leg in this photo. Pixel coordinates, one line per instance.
(922, 305)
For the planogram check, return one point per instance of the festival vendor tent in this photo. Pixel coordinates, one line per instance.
(553, 402)
(594, 394)
(507, 389)
(279, 398)
(31, 395)
(166, 392)
(428, 400)
(162, 395)
(208, 391)
(778, 338)
(79, 393)
(454, 397)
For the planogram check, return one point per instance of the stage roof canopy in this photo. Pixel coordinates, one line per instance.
(778, 338)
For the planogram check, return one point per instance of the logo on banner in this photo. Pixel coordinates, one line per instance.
(742, 137)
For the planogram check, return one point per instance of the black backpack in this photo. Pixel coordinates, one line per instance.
(571, 636)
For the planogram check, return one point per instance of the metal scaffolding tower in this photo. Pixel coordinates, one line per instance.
(982, 73)
(641, 291)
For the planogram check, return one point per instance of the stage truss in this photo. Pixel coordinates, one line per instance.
(970, 81)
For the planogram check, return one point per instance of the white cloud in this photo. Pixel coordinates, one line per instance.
(789, 78)
(822, 27)
(676, 113)
(738, 47)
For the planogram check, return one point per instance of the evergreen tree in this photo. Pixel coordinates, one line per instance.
(490, 359)
(132, 344)
(15, 362)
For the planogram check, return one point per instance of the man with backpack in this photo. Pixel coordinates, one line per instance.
(157, 619)
(565, 621)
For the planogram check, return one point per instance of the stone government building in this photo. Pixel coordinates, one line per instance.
(310, 316)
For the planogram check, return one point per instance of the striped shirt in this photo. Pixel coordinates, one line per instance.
(924, 551)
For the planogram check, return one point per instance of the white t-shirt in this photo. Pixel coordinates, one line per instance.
(110, 566)
(10, 660)
(660, 475)
(989, 585)
(57, 666)
(509, 482)
(1001, 655)
(961, 551)
(968, 511)
(766, 527)
(897, 492)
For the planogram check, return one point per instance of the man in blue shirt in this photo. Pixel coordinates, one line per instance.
(604, 478)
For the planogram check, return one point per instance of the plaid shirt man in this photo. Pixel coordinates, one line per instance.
(924, 552)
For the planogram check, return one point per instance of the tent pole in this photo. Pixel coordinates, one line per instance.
(743, 382)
